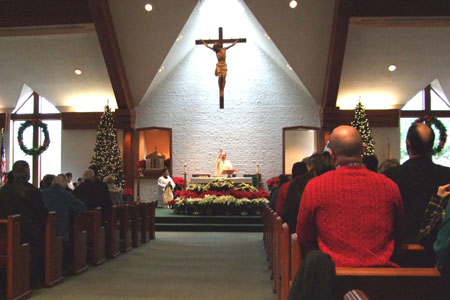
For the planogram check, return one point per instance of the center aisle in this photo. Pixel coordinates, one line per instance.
(177, 265)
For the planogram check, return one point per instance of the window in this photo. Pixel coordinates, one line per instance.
(430, 101)
(48, 162)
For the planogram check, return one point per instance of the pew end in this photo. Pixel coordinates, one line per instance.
(53, 253)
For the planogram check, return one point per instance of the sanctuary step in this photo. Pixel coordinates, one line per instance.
(166, 220)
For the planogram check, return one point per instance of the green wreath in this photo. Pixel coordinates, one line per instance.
(439, 126)
(33, 151)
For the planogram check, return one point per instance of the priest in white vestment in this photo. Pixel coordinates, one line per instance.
(165, 189)
(222, 164)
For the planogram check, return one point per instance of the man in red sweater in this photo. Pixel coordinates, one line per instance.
(351, 213)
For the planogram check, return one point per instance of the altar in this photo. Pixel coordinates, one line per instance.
(197, 180)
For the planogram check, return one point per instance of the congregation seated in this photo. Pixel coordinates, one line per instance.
(298, 169)
(319, 163)
(418, 178)
(69, 177)
(351, 213)
(57, 199)
(114, 191)
(88, 192)
(21, 197)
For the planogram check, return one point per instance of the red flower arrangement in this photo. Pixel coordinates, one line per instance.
(128, 192)
(179, 181)
(141, 164)
(235, 193)
(273, 182)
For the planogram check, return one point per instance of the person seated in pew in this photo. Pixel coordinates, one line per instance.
(282, 179)
(298, 170)
(89, 193)
(434, 214)
(46, 182)
(319, 163)
(418, 178)
(58, 199)
(442, 244)
(353, 214)
(69, 181)
(103, 191)
(22, 198)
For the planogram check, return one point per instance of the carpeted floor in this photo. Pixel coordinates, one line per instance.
(177, 265)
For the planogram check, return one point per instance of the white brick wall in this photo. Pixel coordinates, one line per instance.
(260, 99)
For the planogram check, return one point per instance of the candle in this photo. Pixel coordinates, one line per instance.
(185, 168)
(257, 169)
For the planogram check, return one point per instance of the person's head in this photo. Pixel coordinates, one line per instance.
(223, 156)
(95, 169)
(419, 140)
(79, 180)
(68, 176)
(387, 164)
(371, 163)
(60, 180)
(165, 172)
(345, 144)
(282, 179)
(217, 46)
(46, 181)
(89, 175)
(308, 160)
(21, 171)
(321, 163)
(108, 179)
(298, 169)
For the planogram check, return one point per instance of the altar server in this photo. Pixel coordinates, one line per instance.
(165, 188)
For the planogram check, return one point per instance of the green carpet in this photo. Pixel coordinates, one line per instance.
(177, 265)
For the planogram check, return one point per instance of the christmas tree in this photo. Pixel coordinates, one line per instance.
(361, 123)
(107, 155)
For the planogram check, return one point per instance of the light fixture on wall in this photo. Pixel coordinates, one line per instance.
(392, 68)
(161, 69)
(148, 7)
(77, 71)
(293, 4)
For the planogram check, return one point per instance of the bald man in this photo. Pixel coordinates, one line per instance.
(352, 214)
(418, 178)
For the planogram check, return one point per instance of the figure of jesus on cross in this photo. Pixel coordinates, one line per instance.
(221, 66)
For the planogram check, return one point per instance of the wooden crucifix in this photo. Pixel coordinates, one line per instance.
(221, 66)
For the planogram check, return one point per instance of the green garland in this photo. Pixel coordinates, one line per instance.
(33, 151)
(439, 126)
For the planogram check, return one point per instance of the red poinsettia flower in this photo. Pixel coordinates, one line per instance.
(178, 181)
(128, 192)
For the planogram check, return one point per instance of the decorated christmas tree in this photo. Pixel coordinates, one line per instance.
(361, 123)
(107, 155)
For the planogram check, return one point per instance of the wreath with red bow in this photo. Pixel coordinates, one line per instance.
(33, 151)
(430, 121)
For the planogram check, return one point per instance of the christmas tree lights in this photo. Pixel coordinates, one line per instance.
(361, 123)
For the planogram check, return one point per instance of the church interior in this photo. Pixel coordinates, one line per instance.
(298, 71)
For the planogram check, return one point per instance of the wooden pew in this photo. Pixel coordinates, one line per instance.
(285, 269)
(136, 224)
(112, 229)
(356, 295)
(144, 210)
(15, 258)
(125, 228)
(386, 283)
(152, 207)
(53, 253)
(92, 223)
(78, 245)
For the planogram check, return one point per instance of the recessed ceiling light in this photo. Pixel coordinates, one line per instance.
(148, 7)
(392, 68)
(293, 4)
(77, 71)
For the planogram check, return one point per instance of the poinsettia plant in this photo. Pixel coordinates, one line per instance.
(273, 183)
(179, 183)
(128, 195)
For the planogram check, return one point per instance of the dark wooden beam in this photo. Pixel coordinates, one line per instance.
(336, 52)
(111, 52)
(400, 8)
(44, 13)
(128, 157)
(90, 120)
(25, 117)
(421, 113)
(3, 121)
(333, 117)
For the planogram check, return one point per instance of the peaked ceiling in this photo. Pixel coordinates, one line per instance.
(46, 61)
